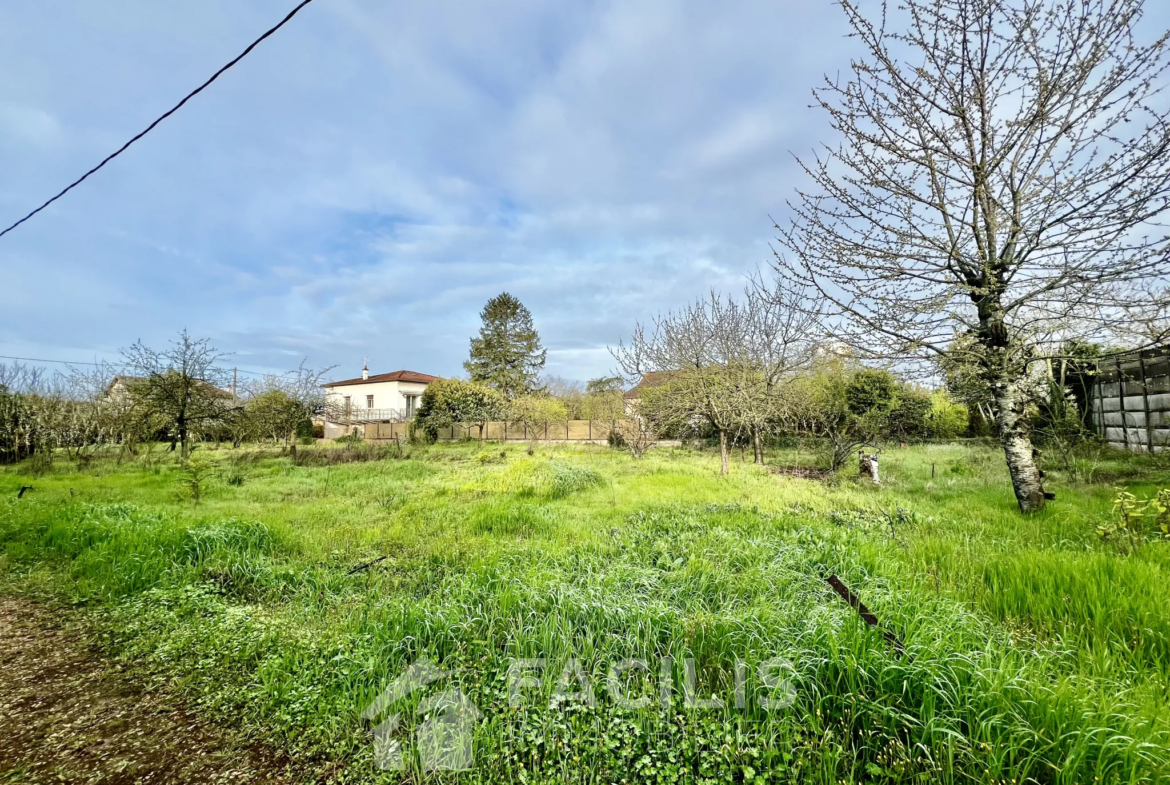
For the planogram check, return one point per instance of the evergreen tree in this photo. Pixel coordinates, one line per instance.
(507, 355)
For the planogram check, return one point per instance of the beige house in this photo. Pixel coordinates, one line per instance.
(350, 404)
(633, 396)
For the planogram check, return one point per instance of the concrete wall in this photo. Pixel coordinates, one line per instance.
(1129, 404)
(573, 431)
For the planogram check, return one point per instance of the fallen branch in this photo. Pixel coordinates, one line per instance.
(367, 565)
(865, 613)
(24, 488)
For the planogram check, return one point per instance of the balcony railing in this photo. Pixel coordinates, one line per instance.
(355, 415)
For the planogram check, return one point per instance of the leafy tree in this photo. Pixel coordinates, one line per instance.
(604, 384)
(538, 412)
(277, 415)
(604, 406)
(449, 401)
(870, 392)
(910, 417)
(570, 391)
(282, 407)
(847, 406)
(507, 355)
(948, 419)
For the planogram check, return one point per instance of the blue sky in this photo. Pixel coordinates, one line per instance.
(371, 175)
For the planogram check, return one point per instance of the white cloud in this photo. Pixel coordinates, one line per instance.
(368, 177)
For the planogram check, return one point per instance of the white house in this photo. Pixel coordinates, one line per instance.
(383, 397)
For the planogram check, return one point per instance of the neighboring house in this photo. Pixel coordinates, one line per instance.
(383, 397)
(119, 388)
(633, 396)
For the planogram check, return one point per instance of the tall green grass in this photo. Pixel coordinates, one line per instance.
(1032, 651)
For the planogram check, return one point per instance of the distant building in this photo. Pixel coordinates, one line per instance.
(385, 397)
(633, 396)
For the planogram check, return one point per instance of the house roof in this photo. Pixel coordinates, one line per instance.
(396, 376)
(126, 380)
(650, 379)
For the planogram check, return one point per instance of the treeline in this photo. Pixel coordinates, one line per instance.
(447, 402)
(739, 371)
(178, 395)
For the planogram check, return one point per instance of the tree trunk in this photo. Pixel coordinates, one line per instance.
(182, 427)
(1017, 447)
(757, 446)
(724, 453)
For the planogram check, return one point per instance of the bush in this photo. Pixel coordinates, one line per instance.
(948, 419)
(568, 478)
(355, 454)
(1134, 520)
(910, 417)
(449, 401)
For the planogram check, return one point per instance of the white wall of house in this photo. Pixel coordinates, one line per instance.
(386, 399)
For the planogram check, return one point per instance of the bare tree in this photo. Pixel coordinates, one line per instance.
(1003, 167)
(180, 385)
(700, 351)
(778, 330)
(279, 403)
(16, 377)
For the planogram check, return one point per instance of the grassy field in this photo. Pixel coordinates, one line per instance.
(1033, 651)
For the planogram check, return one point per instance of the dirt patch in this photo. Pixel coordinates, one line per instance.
(802, 472)
(68, 715)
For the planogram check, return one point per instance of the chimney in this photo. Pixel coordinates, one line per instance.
(366, 369)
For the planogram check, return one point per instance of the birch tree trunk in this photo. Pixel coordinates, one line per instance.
(1017, 447)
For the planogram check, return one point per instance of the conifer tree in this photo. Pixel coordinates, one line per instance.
(507, 355)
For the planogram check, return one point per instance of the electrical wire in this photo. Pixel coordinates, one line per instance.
(108, 364)
(170, 112)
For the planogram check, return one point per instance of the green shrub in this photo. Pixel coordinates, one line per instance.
(568, 478)
(1134, 520)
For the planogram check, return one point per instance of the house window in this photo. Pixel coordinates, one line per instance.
(410, 399)
(369, 402)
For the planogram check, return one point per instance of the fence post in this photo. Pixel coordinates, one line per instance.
(591, 430)
(1121, 402)
(1101, 403)
(1146, 403)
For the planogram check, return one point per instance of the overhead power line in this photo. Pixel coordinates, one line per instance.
(167, 114)
(110, 364)
(42, 360)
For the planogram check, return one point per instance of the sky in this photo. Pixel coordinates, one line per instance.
(370, 176)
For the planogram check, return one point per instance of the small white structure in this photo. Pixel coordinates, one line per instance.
(385, 397)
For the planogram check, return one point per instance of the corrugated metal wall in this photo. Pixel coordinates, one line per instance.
(1130, 400)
